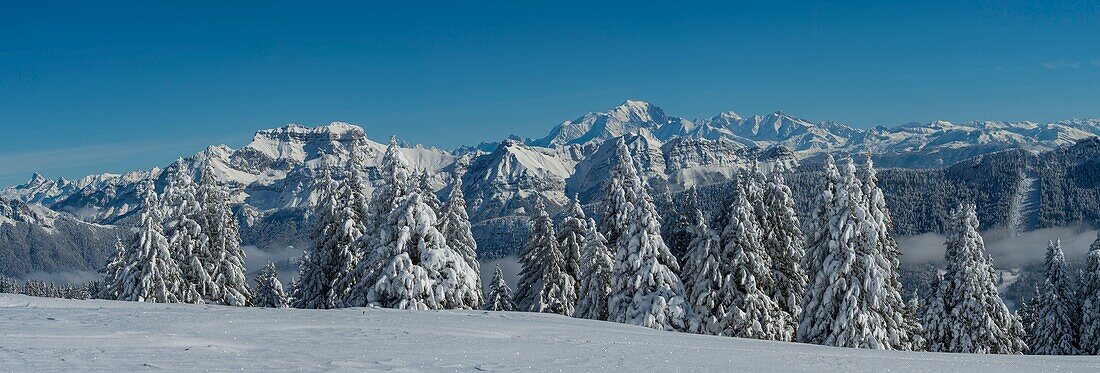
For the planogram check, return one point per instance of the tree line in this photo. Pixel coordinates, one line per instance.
(757, 273)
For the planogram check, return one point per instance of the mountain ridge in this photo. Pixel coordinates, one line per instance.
(271, 178)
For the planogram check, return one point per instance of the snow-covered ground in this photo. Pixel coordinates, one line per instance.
(41, 334)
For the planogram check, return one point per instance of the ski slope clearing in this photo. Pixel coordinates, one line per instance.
(43, 334)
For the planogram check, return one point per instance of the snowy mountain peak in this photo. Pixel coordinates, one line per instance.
(633, 111)
(728, 117)
(626, 118)
(631, 117)
(298, 143)
(940, 124)
(332, 131)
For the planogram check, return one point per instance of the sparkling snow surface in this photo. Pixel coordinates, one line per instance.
(40, 334)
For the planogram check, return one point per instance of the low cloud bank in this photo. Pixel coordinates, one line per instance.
(1007, 249)
(255, 259)
(66, 277)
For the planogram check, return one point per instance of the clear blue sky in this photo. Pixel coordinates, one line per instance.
(90, 87)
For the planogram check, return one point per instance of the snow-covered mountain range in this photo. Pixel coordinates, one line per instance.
(939, 142)
(272, 177)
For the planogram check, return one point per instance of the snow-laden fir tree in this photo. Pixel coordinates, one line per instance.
(189, 243)
(969, 315)
(1027, 313)
(410, 266)
(704, 277)
(680, 237)
(420, 270)
(751, 183)
(883, 262)
(1054, 329)
(455, 225)
(398, 181)
(544, 283)
(645, 289)
(597, 265)
(849, 297)
(427, 193)
(781, 233)
(1058, 275)
(500, 295)
(144, 270)
(913, 312)
(269, 290)
(116, 268)
(334, 250)
(751, 312)
(8, 286)
(313, 287)
(225, 257)
(1090, 301)
(355, 200)
(936, 317)
(828, 262)
(616, 202)
(35, 288)
(571, 233)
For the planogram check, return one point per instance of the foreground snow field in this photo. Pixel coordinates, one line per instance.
(44, 334)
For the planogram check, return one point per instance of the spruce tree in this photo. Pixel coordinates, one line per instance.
(645, 289)
(751, 311)
(398, 181)
(225, 257)
(849, 298)
(829, 258)
(616, 202)
(427, 193)
(117, 268)
(595, 279)
(307, 269)
(544, 285)
(883, 264)
(913, 312)
(1057, 273)
(269, 290)
(781, 233)
(500, 295)
(355, 202)
(936, 317)
(680, 236)
(145, 271)
(1090, 301)
(8, 286)
(971, 317)
(333, 252)
(704, 277)
(190, 244)
(455, 225)
(1054, 329)
(571, 233)
(1028, 312)
(421, 271)
(410, 265)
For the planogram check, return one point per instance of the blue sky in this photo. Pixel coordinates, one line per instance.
(116, 86)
